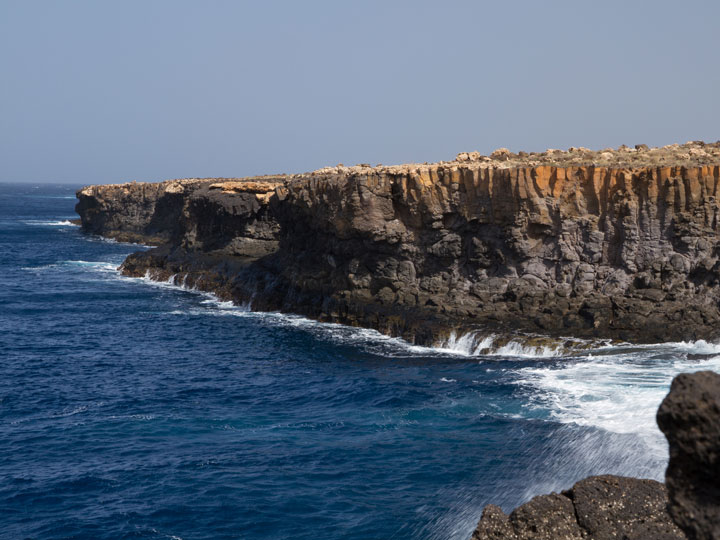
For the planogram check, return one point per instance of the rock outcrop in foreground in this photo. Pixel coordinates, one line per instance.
(616, 244)
(690, 418)
(612, 507)
(596, 508)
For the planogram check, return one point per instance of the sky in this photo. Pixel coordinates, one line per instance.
(100, 92)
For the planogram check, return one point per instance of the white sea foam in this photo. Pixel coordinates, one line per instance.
(103, 240)
(517, 349)
(476, 344)
(94, 266)
(71, 411)
(467, 344)
(38, 268)
(100, 266)
(55, 223)
(696, 347)
(48, 196)
(699, 347)
(613, 387)
(215, 306)
(620, 392)
(470, 344)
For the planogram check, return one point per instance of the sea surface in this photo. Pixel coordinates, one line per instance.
(134, 409)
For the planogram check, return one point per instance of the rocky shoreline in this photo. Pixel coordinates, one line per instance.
(605, 507)
(619, 244)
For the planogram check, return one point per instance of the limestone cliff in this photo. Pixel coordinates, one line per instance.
(617, 244)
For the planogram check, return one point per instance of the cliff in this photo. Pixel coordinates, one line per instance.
(605, 507)
(614, 244)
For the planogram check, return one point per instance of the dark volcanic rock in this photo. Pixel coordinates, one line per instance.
(200, 214)
(494, 525)
(597, 508)
(618, 244)
(609, 507)
(690, 418)
(547, 517)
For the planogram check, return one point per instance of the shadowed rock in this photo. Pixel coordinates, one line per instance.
(690, 418)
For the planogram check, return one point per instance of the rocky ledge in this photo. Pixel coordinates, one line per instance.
(619, 244)
(612, 507)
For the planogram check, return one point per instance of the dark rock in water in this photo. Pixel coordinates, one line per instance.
(690, 418)
(699, 357)
(597, 508)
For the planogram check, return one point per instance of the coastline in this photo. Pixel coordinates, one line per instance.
(231, 275)
(618, 245)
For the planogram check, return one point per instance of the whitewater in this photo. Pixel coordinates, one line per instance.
(131, 407)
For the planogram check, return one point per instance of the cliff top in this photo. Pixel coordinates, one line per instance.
(690, 154)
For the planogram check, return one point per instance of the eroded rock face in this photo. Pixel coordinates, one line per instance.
(228, 216)
(585, 251)
(615, 244)
(134, 212)
(597, 508)
(690, 418)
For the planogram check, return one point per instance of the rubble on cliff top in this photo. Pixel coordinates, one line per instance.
(690, 154)
(693, 153)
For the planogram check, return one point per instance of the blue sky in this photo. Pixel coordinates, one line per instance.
(97, 92)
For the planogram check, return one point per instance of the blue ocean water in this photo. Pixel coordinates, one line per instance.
(132, 409)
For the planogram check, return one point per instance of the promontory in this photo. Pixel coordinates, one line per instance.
(616, 244)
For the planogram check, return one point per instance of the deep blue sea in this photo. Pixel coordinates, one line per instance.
(133, 409)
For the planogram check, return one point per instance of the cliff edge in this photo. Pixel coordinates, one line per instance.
(619, 244)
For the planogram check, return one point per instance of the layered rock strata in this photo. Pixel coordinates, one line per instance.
(616, 244)
(605, 507)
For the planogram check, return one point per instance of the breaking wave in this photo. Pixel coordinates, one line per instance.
(615, 388)
(51, 223)
(518, 346)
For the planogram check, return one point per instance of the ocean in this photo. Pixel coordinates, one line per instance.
(136, 409)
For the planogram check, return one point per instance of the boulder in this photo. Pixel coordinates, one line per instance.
(690, 418)
(597, 508)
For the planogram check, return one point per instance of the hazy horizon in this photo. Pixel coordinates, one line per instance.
(106, 93)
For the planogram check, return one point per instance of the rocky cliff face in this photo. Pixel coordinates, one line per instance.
(616, 244)
(211, 214)
(616, 507)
